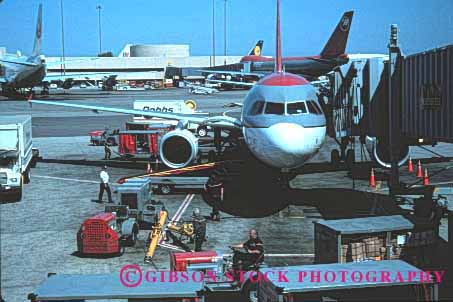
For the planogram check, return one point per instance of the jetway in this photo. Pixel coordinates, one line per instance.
(422, 84)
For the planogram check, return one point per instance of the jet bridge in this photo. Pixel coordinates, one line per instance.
(405, 98)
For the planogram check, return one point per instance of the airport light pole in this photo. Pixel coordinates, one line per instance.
(98, 7)
(63, 67)
(225, 32)
(213, 33)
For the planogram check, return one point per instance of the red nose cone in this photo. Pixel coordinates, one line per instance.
(283, 79)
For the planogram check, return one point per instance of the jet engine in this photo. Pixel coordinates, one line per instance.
(380, 152)
(178, 148)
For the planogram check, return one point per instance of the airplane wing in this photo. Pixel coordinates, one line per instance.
(232, 82)
(19, 62)
(227, 72)
(220, 121)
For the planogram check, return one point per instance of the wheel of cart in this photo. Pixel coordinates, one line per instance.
(335, 157)
(165, 189)
(202, 131)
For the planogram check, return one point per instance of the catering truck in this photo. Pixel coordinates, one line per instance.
(16, 155)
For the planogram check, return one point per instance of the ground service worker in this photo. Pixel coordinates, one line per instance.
(253, 255)
(104, 185)
(199, 227)
(107, 151)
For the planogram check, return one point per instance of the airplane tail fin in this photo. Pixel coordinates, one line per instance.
(256, 50)
(38, 34)
(278, 52)
(336, 44)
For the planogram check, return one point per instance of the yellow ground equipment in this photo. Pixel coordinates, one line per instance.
(155, 235)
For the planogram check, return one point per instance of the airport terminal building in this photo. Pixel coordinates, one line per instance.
(141, 63)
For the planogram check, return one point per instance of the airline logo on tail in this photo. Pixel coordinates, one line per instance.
(345, 23)
(256, 50)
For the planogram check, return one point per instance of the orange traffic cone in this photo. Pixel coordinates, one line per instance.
(419, 170)
(425, 178)
(372, 179)
(148, 168)
(410, 168)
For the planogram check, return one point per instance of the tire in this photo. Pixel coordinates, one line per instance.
(350, 157)
(202, 131)
(249, 292)
(121, 250)
(17, 194)
(335, 157)
(26, 176)
(133, 238)
(211, 156)
(165, 189)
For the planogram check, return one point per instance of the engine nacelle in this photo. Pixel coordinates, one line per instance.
(178, 148)
(379, 151)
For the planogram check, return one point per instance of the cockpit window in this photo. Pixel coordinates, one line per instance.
(257, 108)
(296, 108)
(313, 107)
(275, 108)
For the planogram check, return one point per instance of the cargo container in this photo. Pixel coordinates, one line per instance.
(377, 238)
(361, 281)
(427, 103)
(17, 155)
(360, 239)
(132, 284)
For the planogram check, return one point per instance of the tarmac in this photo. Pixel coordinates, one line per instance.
(38, 234)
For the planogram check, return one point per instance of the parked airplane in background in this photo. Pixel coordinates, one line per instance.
(282, 125)
(255, 65)
(19, 72)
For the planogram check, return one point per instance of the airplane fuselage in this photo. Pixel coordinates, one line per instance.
(313, 66)
(18, 75)
(283, 123)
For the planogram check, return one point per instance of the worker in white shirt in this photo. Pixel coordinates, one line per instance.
(104, 185)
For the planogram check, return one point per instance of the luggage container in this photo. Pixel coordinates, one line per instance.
(360, 239)
(427, 103)
(134, 287)
(362, 281)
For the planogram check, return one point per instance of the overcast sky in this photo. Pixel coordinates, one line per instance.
(306, 25)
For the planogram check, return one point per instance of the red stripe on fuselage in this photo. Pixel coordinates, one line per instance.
(283, 79)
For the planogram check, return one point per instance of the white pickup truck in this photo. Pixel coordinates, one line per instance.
(17, 155)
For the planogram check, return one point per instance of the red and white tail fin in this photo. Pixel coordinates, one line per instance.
(278, 54)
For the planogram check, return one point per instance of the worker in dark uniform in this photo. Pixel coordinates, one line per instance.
(107, 151)
(252, 256)
(199, 227)
(254, 251)
(104, 185)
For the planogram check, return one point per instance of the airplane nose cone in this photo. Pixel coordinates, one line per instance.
(285, 145)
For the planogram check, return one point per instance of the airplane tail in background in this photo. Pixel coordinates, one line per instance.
(256, 50)
(337, 42)
(38, 34)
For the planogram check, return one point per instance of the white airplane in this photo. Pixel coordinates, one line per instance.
(282, 125)
(22, 72)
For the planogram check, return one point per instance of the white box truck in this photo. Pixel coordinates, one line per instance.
(16, 155)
